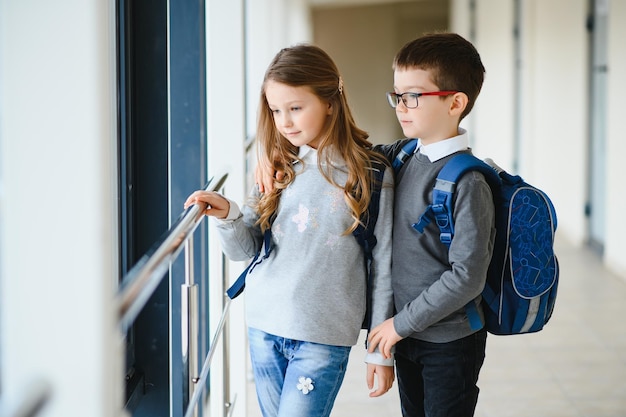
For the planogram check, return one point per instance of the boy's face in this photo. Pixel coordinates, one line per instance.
(431, 121)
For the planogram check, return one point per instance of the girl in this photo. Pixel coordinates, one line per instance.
(305, 303)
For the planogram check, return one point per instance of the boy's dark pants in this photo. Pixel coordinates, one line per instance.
(439, 379)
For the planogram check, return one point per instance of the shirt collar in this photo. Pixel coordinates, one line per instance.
(308, 154)
(438, 150)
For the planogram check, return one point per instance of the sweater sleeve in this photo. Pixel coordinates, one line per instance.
(239, 235)
(382, 291)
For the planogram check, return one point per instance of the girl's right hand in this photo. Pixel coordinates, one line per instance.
(217, 206)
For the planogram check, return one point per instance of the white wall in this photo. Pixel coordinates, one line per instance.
(615, 249)
(554, 121)
(491, 128)
(58, 261)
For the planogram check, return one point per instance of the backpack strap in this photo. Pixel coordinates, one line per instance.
(445, 185)
(237, 288)
(407, 150)
(364, 234)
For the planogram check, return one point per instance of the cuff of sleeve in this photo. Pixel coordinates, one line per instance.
(233, 212)
(377, 359)
(401, 325)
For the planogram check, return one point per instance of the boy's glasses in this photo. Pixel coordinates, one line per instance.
(410, 99)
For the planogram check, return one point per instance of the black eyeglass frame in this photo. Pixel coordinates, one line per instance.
(395, 98)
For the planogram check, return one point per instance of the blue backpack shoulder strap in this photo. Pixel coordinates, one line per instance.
(407, 150)
(238, 286)
(364, 234)
(445, 185)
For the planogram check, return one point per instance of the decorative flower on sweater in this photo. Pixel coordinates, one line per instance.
(302, 218)
(305, 385)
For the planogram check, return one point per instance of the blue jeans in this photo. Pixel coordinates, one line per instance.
(439, 379)
(296, 378)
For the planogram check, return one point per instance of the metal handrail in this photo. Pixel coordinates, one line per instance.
(145, 276)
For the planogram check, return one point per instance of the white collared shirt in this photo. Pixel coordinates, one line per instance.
(438, 150)
(311, 155)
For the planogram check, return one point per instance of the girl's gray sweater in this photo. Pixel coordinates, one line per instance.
(312, 286)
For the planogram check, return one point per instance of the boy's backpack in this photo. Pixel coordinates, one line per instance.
(522, 278)
(364, 234)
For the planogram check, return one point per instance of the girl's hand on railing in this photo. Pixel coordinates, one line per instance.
(216, 205)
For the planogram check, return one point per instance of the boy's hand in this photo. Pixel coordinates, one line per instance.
(385, 379)
(264, 177)
(385, 337)
(217, 206)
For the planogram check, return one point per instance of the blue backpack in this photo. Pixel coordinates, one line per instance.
(364, 234)
(523, 274)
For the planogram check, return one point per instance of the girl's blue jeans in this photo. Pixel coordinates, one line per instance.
(296, 378)
(440, 379)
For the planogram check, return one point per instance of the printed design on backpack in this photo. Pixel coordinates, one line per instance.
(533, 267)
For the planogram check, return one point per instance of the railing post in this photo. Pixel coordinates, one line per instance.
(189, 326)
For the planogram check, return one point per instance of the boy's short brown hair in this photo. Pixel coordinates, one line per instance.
(452, 60)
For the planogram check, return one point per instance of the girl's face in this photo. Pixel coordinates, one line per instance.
(431, 120)
(299, 115)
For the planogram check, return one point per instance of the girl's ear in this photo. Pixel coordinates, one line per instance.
(329, 111)
(458, 104)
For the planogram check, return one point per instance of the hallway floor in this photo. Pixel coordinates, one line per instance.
(575, 367)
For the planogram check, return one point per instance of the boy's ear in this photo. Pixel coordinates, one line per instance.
(458, 104)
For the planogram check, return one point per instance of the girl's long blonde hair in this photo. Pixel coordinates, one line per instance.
(309, 66)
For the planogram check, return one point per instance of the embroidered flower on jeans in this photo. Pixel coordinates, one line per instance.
(305, 385)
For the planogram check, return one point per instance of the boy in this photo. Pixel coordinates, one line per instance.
(437, 79)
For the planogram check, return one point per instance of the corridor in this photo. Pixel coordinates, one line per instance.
(575, 367)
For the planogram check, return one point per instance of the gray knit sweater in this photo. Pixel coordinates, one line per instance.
(432, 284)
(312, 286)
